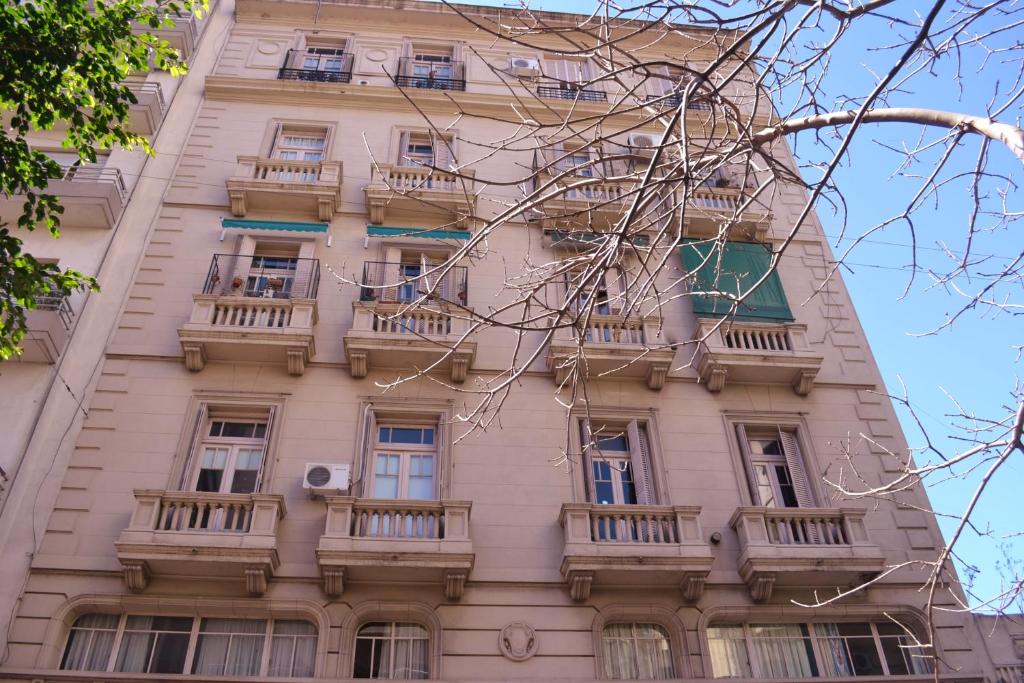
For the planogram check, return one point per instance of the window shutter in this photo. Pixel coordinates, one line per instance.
(193, 449)
(369, 434)
(403, 149)
(392, 275)
(797, 469)
(266, 447)
(405, 63)
(748, 467)
(658, 83)
(640, 461)
(739, 266)
(587, 440)
(442, 152)
(275, 139)
(615, 285)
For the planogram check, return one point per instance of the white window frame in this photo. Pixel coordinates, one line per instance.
(405, 453)
(193, 641)
(634, 639)
(800, 458)
(645, 467)
(283, 149)
(758, 669)
(392, 623)
(234, 446)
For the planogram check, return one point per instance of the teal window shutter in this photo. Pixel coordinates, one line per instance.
(741, 265)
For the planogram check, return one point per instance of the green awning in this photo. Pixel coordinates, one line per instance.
(737, 267)
(428, 233)
(287, 226)
(585, 237)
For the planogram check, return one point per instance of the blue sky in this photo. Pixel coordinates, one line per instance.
(973, 362)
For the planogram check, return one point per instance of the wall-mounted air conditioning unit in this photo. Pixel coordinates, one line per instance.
(642, 144)
(324, 479)
(525, 67)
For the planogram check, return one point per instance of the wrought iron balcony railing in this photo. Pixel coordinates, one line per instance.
(301, 65)
(413, 73)
(58, 304)
(568, 91)
(673, 100)
(269, 277)
(388, 282)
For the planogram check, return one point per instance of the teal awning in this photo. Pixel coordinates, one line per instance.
(428, 233)
(287, 226)
(733, 270)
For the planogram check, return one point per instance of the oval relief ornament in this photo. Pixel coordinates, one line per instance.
(517, 641)
(376, 55)
(268, 47)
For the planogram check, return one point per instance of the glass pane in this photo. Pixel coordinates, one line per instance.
(613, 443)
(385, 476)
(864, 656)
(406, 435)
(728, 650)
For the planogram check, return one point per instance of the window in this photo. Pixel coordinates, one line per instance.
(404, 462)
(814, 650)
(272, 275)
(637, 651)
(776, 473)
(297, 144)
(328, 58)
(606, 294)
(733, 268)
(618, 460)
(428, 65)
(203, 646)
(392, 650)
(231, 456)
(435, 67)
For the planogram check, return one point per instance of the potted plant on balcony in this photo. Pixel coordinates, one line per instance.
(723, 182)
(236, 284)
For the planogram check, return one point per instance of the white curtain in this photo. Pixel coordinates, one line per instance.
(637, 652)
(781, 650)
(230, 647)
(728, 649)
(293, 649)
(834, 659)
(90, 643)
(411, 652)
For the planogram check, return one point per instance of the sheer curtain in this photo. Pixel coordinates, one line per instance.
(230, 647)
(293, 649)
(637, 652)
(90, 642)
(411, 652)
(835, 660)
(782, 650)
(728, 649)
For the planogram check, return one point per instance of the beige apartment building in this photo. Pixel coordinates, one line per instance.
(238, 496)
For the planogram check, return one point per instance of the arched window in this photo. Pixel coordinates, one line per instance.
(206, 646)
(392, 650)
(637, 651)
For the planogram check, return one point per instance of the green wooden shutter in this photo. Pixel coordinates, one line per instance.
(742, 264)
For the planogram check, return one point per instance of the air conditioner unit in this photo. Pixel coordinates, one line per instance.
(642, 144)
(522, 66)
(323, 479)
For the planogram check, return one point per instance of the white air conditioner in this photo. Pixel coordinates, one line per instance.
(322, 479)
(642, 144)
(522, 66)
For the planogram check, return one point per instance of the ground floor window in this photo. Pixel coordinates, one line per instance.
(637, 651)
(392, 650)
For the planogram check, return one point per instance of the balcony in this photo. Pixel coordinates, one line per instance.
(302, 65)
(92, 195)
(803, 547)
(147, 113)
(256, 309)
(613, 345)
(430, 75)
(571, 91)
(675, 100)
(659, 546)
(597, 205)
(1009, 673)
(48, 328)
(769, 353)
(402, 321)
(708, 207)
(189, 533)
(278, 185)
(396, 540)
(417, 189)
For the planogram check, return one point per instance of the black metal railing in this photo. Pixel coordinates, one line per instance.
(676, 99)
(568, 91)
(59, 305)
(389, 282)
(270, 277)
(413, 73)
(301, 65)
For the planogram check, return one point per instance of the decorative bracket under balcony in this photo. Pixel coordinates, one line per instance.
(803, 547)
(649, 545)
(396, 540)
(189, 533)
(749, 352)
(613, 345)
(418, 189)
(286, 185)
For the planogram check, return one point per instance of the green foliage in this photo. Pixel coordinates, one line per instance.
(63, 66)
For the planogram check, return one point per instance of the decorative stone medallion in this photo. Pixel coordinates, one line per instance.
(376, 55)
(268, 47)
(517, 641)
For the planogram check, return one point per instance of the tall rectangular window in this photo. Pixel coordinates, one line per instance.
(775, 467)
(391, 650)
(231, 456)
(229, 647)
(404, 462)
(637, 652)
(154, 645)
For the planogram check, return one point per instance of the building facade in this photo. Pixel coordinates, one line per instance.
(247, 493)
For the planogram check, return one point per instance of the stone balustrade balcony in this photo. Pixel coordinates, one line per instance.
(636, 545)
(148, 111)
(756, 352)
(280, 185)
(414, 190)
(612, 345)
(803, 547)
(250, 312)
(396, 540)
(194, 533)
(592, 202)
(708, 207)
